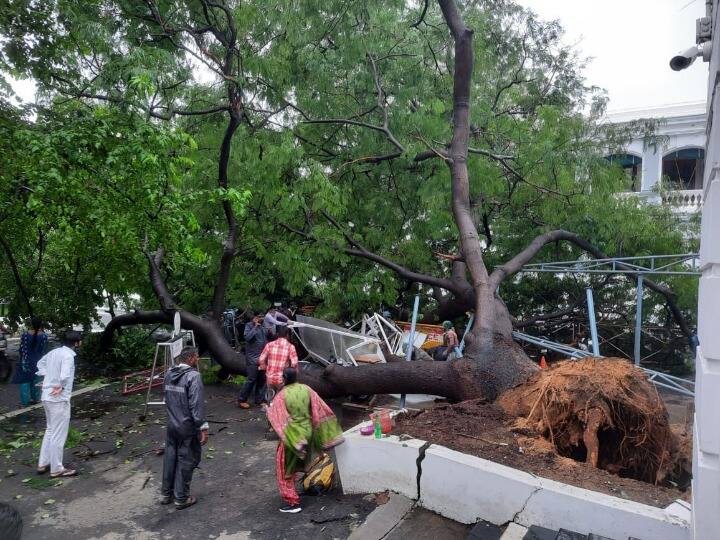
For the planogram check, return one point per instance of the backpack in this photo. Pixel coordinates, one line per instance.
(320, 474)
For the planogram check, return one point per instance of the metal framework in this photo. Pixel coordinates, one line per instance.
(679, 265)
(671, 382)
(669, 265)
(343, 354)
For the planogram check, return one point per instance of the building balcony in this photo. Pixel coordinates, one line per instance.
(682, 201)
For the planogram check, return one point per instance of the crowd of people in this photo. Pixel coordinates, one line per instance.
(300, 419)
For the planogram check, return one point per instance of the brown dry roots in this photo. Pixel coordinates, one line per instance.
(600, 410)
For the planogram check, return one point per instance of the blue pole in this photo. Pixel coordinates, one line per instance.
(471, 320)
(593, 326)
(638, 319)
(411, 340)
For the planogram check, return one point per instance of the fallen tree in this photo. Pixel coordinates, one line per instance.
(493, 362)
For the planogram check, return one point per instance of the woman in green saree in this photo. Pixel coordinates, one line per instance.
(306, 426)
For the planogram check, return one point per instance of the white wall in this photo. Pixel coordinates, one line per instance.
(706, 447)
(682, 129)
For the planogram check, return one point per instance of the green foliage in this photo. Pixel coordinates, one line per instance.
(132, 350)
(211, 375)
(82, 191)
(89, 183)
(75, 437)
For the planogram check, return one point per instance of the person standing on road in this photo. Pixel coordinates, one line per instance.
(58, 371)
(255, 341)
(275, 357)
(32, 348)
(305, 425)
(186, 430)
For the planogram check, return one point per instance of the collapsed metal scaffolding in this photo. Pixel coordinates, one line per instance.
(685, 265)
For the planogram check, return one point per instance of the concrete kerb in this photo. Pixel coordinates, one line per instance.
(368, 465)
(467, 488)
(80, 392)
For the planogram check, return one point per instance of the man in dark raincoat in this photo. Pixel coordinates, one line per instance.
(187, 429)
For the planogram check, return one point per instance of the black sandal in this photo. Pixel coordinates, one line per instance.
(42, 470)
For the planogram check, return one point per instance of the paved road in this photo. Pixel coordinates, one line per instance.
(115, 497)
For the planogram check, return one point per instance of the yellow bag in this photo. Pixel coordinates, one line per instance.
(319, 476)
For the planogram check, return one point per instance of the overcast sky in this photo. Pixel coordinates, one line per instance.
(631, 43)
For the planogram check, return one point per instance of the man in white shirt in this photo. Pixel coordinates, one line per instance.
(58, 371)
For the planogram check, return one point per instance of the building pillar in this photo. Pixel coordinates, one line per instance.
(651, 167)
(706, 433)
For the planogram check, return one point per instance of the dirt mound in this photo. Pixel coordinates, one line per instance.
(485, 430)
(602, 411)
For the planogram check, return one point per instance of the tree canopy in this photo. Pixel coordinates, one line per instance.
(298, 150)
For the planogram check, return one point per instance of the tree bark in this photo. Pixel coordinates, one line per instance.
(229, 246)
(16, 276)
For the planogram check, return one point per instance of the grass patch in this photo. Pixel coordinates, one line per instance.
(42, 483)
(75, 437)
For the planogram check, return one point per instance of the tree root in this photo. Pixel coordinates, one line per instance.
(602, 411)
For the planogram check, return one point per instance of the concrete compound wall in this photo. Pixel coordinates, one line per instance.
(467, 488)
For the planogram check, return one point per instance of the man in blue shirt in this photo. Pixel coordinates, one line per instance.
(255, 340)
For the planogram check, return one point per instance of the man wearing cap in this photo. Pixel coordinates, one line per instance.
(57, 368)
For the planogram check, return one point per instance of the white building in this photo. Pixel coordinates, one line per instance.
(670, 171)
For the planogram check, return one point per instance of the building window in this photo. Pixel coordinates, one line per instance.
(684, 169)
(632, 165)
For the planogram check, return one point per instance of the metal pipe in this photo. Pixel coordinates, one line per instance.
(471, 320)
(411, 340)
(593, 326)
(638, 320)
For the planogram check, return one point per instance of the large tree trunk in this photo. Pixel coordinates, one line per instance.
(484, 377)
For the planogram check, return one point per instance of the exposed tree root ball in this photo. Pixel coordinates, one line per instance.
(600, 410)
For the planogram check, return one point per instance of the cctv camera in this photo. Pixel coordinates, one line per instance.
(684, 59)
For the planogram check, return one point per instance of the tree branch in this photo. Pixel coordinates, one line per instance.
(422, 15)
(229, 246)
(433, 153)
(16, 275)
(515, 264)
(156, 280)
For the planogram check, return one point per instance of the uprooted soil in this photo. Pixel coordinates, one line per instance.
(515, 436)
(603, 411)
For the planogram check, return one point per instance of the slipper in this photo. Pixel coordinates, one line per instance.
(188, 502)
(66, 473)
(42, 470)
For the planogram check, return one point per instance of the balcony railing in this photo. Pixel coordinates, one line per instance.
(686, 201)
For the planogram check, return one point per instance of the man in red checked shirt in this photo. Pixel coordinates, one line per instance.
(274, 358)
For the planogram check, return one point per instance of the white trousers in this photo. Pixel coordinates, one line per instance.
(57, 415)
